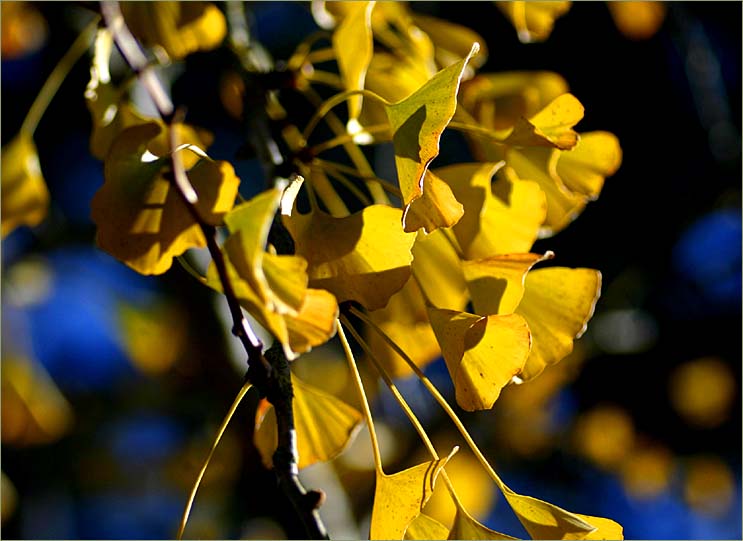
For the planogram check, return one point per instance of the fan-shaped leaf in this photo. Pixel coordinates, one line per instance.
(466, 527)
(583, 169)
(551, 127)
(363, 257)
(325, 426)
(436, 207)
(425, 527)
(25, 198)
(482, 353)
(418, 122)
(437, 270)
(557, 303)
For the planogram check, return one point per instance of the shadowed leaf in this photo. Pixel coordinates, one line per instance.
(436, 207)
(551, 127)
(25, 198)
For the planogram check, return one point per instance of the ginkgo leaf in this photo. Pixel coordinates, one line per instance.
(353, 46)
(273, 288)
(363, 257)
(583, 169)
(536, 164)
(141, 218)
(425, 527)
(325, 426)
(452, 42)
(498, 100)
(182, 27)
(533, 20)
(25, 198)
(543, 520)
(496, 284)
(436, 207)
(405, 321)
(417, 124)
(482, 353)
(501, 218)
(437, 270)
(551, 127)
(557, 304)
(399, 498)
(606, 529)
(466, 527)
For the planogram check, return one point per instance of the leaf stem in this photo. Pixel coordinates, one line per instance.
(362, 396)
(346, 138)
(187, 511)
(476, 130)
(55, 79)
(437, 396)
(186, 265)
(335, 100)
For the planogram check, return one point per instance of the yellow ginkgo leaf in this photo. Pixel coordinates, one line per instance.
(583, 169)
(353, 46)
(418, 122)
(538, 165)
(496, 284)
(363, 257)
(452, 42)
(482, 353)
(437, 270)
(557, 303)
(273, 288)
(399, 498)
(34, 411)
(182, 27)
(498, 219)
(325, 426)
(25, 198)
(405, 321)
(141, 218)
(533, 20)
(606, 529)
(425, 527)
(466, 527)
(436, 207)
(498, 100)
(551, 127)
(543, 520)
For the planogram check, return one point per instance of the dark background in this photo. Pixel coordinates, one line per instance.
(665, 233)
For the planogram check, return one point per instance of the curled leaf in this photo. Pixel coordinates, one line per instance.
(436, 207)
(399, 498)
(140, 216)
(557, 304)
(182, 27)
(417, 124)
(551, 127)
(325, 425)
(363, 257)
(496, 284)
(500, 218)
(584, 169)
(482, 353)
(25, 198)
(605, 529)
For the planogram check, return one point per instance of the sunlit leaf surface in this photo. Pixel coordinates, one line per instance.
(437, 270)
(482, 353)
(557, 303)
(417, 124)
(552, 126)
(325, 425)
(363, 257)
(583, 169)
(436, 207)
(399, 498)
(425, 527)
(140, 216)
(25, 198)
(466, 527)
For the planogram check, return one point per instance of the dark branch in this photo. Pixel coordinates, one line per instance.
(269, 372)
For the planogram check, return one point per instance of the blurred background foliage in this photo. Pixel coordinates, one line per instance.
(113, 384)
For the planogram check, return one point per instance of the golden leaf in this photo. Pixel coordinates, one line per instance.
(437, 270)
(325, 426)
(606, 529)
(557, 304)
(181, 27)
(452, 42)
(417, 124)
(466, 527)
(551, 127)
(25, 198)
(425, 527)
(141, 218)
(533, 20)
(482, 353)
(436, 207)
(399, 498)
(583, 169)
(363, 257)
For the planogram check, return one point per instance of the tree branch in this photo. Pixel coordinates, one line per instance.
(270, 372)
